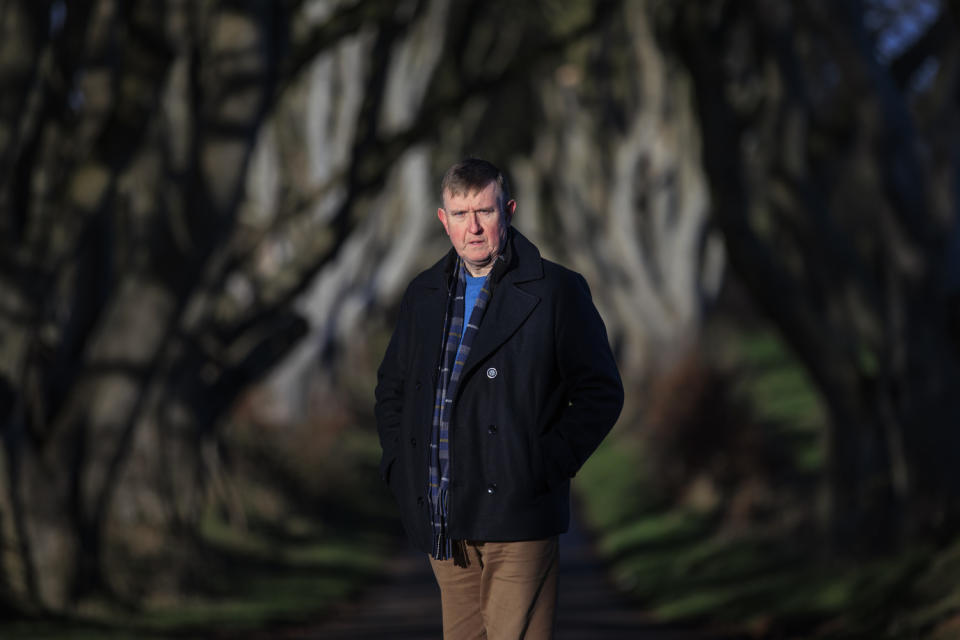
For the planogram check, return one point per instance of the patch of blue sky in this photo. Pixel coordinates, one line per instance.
(896, 24)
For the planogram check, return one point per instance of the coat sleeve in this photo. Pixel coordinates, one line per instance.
(594, 391)
(389, 392)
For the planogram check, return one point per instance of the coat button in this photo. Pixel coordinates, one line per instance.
(418, 385)
(492, 373)
(492, 488)
(419, 501)
(492, 429)
(413, 442)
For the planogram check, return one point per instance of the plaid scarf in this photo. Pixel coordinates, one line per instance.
(451, 367)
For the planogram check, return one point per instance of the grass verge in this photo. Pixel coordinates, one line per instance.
(683, 561)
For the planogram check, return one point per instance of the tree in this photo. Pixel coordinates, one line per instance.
(595, 127)
(114, 211)
(833, 179)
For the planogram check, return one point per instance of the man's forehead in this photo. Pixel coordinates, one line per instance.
(469, 193)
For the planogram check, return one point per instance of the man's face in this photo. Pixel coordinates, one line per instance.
(477, 226)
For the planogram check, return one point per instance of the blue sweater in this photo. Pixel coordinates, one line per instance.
(474, 284)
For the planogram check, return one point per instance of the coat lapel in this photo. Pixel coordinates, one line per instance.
(431, 297)
(432, 310)
(509, 308)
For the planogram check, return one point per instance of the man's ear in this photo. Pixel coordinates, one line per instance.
(509, 208)
(442, 215)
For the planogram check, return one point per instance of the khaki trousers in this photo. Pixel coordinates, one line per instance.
(507, 591)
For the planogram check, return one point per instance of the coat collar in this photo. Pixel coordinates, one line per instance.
(520, 262)
(510, 306)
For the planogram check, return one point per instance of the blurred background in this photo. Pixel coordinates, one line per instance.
(209, 210)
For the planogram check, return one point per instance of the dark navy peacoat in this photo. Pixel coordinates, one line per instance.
(538, 393)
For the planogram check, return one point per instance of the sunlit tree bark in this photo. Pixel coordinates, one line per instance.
(189, 189)
(595, 127)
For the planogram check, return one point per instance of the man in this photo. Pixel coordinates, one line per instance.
(496, 386)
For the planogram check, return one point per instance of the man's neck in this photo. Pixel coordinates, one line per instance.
(482, 271)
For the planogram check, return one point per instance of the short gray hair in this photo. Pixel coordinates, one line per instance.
(474, 174)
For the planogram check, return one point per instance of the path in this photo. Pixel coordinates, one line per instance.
(407, 605)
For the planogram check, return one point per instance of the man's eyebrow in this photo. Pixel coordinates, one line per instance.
(480, 210)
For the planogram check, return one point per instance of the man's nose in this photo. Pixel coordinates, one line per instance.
(475, 223)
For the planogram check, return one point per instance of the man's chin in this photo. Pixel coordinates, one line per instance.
(478, 262)
(478, 257)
